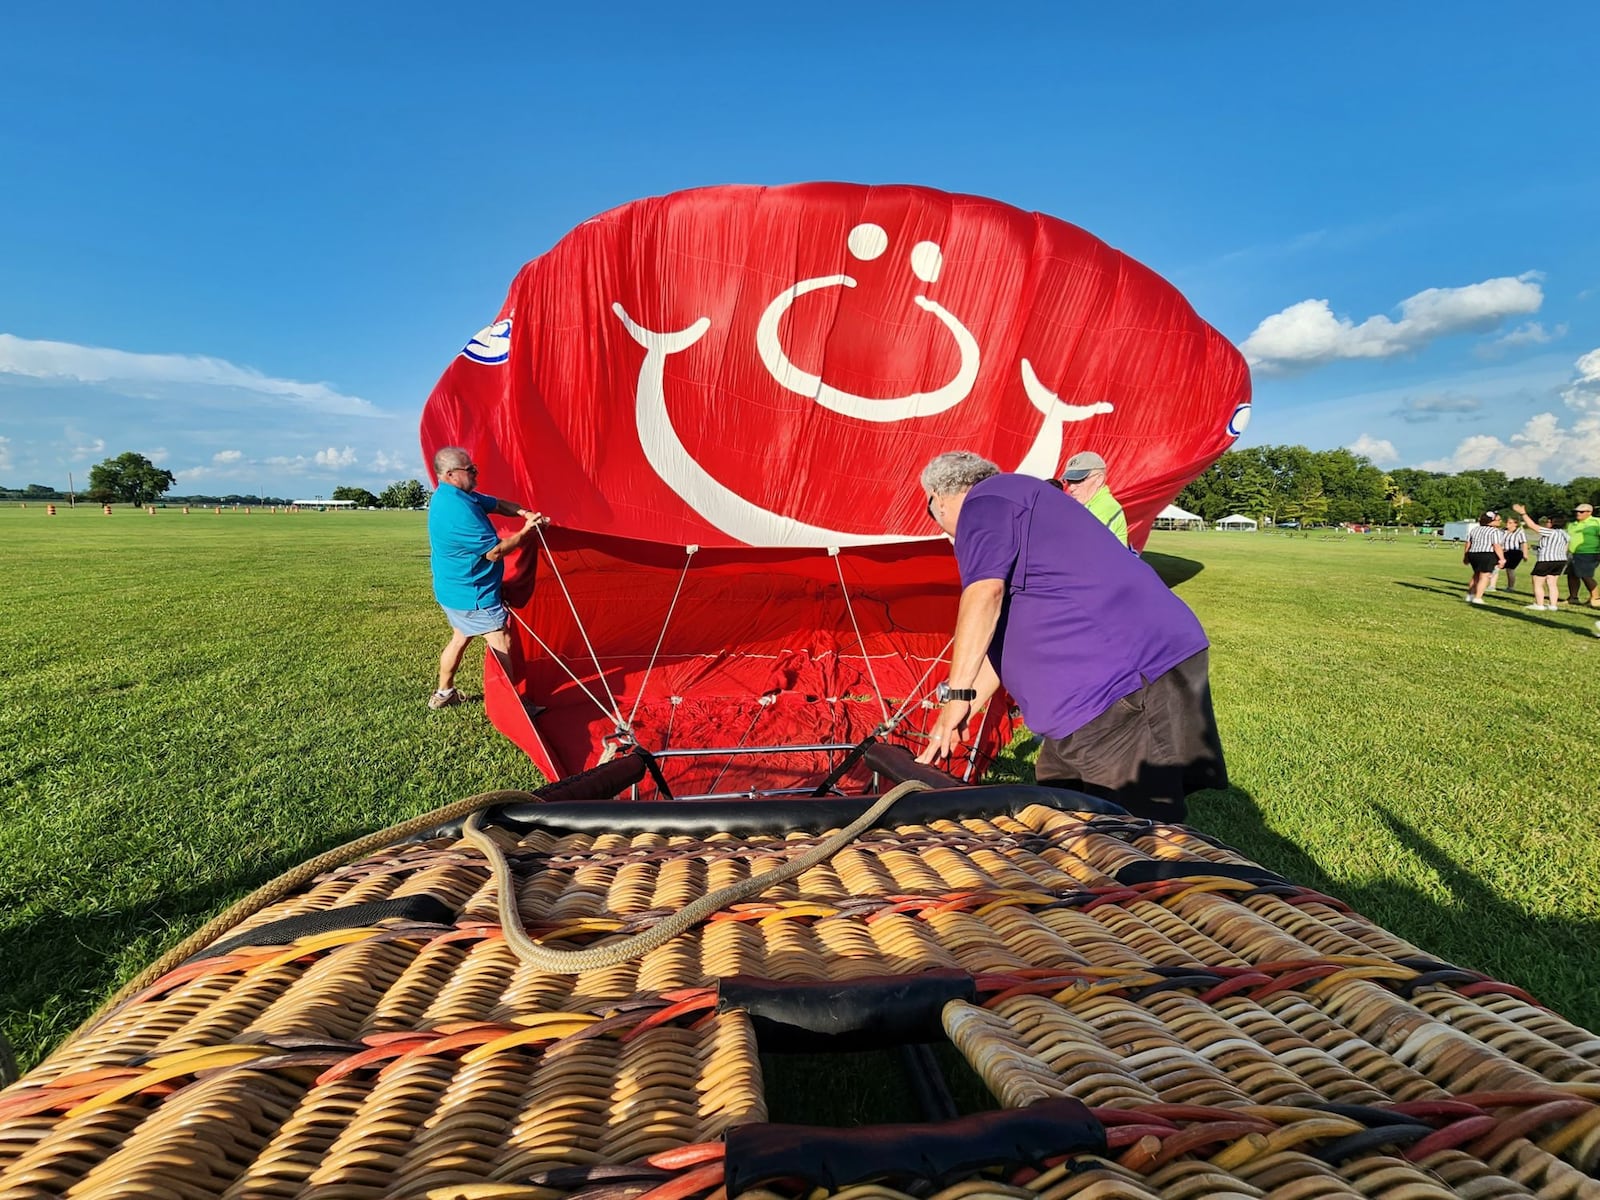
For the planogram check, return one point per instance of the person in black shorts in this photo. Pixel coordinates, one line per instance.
(1515, 544)
(1552, 552)
(1484, 554)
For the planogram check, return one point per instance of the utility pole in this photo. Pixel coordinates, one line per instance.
(72, 492)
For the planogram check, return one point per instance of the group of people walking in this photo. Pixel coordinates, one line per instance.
(1565, 549)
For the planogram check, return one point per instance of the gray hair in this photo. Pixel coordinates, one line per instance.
(955, 472)
(448, 458)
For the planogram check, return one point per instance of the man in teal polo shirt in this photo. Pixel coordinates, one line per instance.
(1085, 482)
(467, 557)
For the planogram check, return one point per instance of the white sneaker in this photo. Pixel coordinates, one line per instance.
(1474, 599)
(1535, 607)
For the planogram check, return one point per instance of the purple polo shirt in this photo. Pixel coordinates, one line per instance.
(1085, 621)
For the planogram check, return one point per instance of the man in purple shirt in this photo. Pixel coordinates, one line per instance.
(1108, 666)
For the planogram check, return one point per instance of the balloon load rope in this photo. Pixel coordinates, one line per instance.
(572, 962)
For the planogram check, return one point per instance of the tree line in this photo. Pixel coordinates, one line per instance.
(131, 478)
(1270, 483)
(1334, 487)
(405, 493)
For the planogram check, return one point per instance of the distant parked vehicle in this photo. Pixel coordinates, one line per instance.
(1456, 531)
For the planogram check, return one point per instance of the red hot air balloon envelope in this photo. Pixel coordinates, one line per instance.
(723, 397)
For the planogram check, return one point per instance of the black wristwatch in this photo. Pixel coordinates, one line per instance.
(946, 693)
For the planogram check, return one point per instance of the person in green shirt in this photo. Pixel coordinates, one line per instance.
(1583, 555)
(1085, 481)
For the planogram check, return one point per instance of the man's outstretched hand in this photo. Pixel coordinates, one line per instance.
(946, 731)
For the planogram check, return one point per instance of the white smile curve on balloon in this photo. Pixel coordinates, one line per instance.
(678, 469)
(749, 522)
(804, 383)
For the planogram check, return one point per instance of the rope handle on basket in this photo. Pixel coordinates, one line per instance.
(572, 962)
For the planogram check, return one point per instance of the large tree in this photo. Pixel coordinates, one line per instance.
(1451, 497)
(129, 477)
(406, 493)
(1585, 489)
(360, 495)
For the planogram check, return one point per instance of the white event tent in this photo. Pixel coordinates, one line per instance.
(1236, 522)
(1173, 517)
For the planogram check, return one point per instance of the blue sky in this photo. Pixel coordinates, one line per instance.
(246, 240)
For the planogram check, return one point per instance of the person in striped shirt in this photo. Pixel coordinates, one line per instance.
(1552, 554)
(1515, 544)
(1484, 554)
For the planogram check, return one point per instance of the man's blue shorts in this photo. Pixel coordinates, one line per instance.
(474, 621)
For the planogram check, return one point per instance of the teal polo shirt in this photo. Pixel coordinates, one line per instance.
(459, 535)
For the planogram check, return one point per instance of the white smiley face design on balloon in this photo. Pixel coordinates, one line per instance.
(749, 522)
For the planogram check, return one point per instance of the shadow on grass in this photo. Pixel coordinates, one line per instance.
(1515, 610)
(59, 967)
(1556, 959)
(1172, 569)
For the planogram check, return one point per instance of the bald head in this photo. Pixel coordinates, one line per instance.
(450, 458)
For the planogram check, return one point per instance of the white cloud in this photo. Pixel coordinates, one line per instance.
(1432, 405)
(222, 457)
(387, 463)
(1308, 334)
(66, 361)
(1583, 393)
(1543, 446)
(80, 446)
(5, 454)
(1379, 450)
(333, 459)
(1532, 334)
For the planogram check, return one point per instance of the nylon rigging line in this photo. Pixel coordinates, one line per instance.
(883, 706)
(671, 608)
(556, 658)
(616, 710)
(916, 693)
(762, 704)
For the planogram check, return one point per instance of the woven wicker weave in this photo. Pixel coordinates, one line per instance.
(1233, 1037)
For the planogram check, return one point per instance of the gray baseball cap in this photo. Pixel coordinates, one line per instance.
(1080, 465)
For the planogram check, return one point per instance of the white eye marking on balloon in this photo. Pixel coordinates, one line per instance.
(1239, 420)
(865, 408)
(927, 260)
(867, 241)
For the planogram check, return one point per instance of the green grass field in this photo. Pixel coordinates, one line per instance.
(192, 704)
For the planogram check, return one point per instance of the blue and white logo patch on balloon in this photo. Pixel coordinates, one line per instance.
(1237, 422)
(490, 345)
